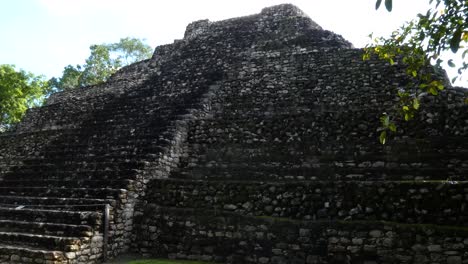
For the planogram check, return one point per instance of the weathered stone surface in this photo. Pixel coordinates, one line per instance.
(250, 140)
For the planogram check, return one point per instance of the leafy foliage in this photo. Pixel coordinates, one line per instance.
(418, 44)
(99, 66)
(19, 90)
(104, 60)
(130, 50)
(70, 78)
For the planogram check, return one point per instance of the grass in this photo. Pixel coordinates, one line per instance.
(167, 261)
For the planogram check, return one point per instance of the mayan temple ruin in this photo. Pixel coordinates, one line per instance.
(250, 140)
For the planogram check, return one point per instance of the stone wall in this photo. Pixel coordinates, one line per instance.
(233, 238)
(282, 112)
(405, 201)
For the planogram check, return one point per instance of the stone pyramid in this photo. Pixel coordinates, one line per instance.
(250, 140)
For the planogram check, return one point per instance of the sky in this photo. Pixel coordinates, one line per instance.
(44, 36)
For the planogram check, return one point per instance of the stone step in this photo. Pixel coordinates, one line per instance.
(109, 164)
(91, 137)
(225, 144)
(283, 172)
(72, 170)
(22, 254)
(81, 139)
(296, 153)
(123, 122)
(101, 126)
(132, 101)
(320, 124)
(63, 207)
(15, 201)
(69, 183)
(126, 122)
(100, 153)
(82, 174)
(54, 229)
(61, 243)
(98, 139)
(378, 163)
(111, 115)
(82, 208)
(6, 137)
(99, 193)
(95, 158)
(369, 168)
(93, 218)
(133, 106)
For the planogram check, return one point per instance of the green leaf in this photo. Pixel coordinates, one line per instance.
(385, 120)
(383, 137)
(392, 127)
(407, 117)
(388, 5)
(416, 103)
(454, 79)
(422, 35)
(405, 108)
(464, 53)
(450, 63)
(377, 4)
(455, 40)
(437, 84)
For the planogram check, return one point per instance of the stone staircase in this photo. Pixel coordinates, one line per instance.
(53, 203)
(69, 181)
(251, 140)
(49, 215)
(40, 228)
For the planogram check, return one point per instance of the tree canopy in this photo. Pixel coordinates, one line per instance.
(19, 90)
(419, 44)
(104, 60)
